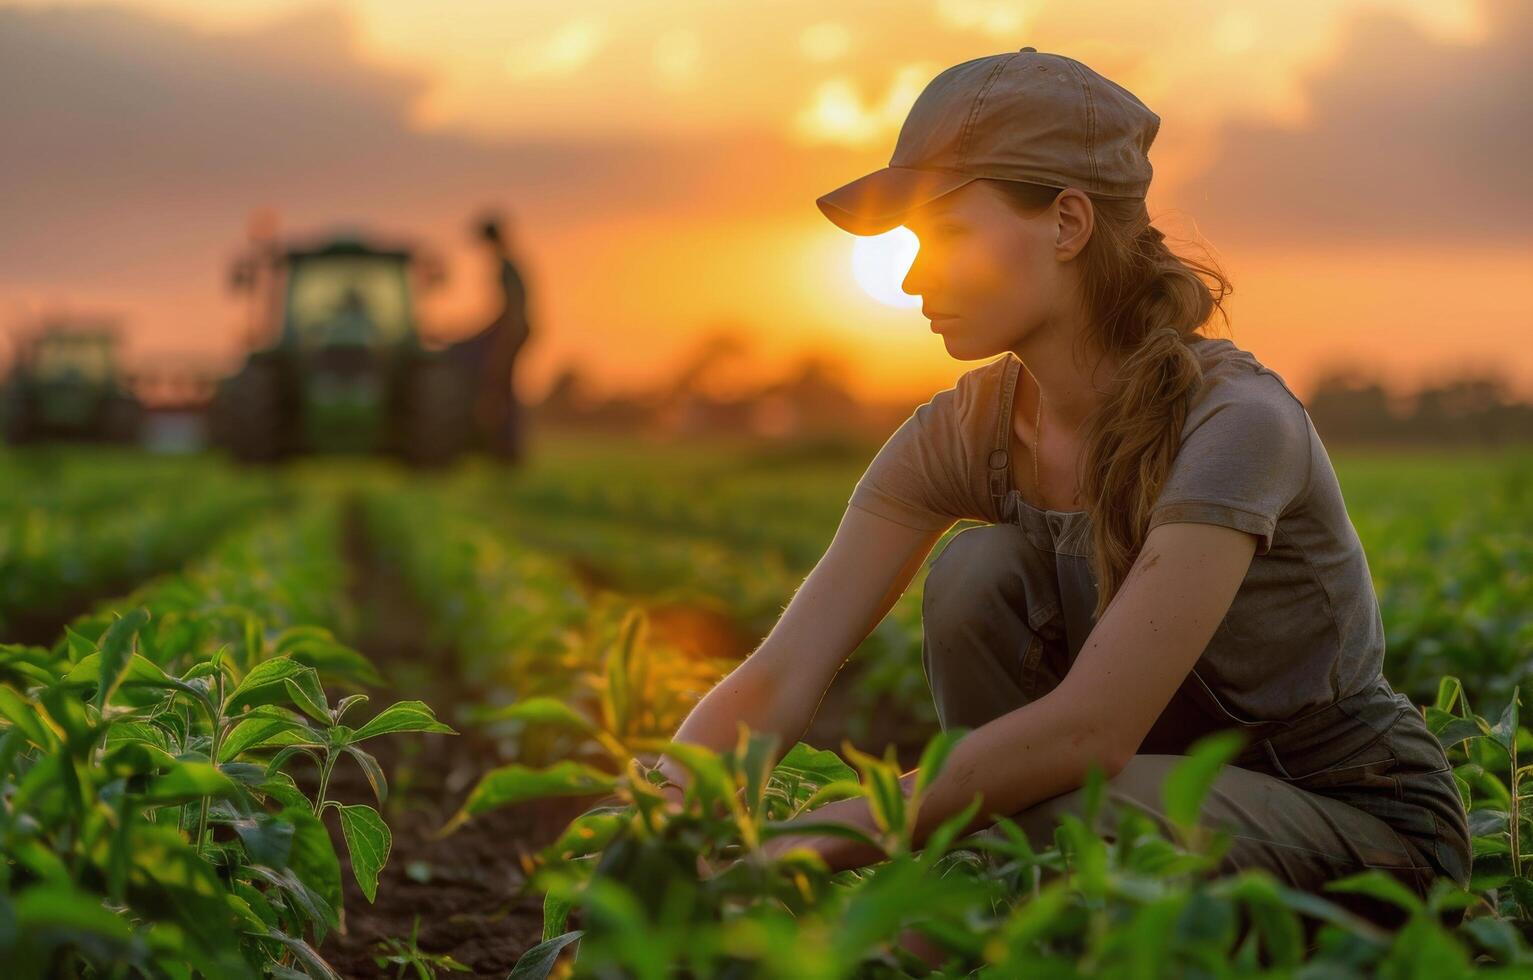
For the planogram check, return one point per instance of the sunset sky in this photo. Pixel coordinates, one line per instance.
(1359, 170)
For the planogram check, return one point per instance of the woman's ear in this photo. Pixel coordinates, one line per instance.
(1074, 221)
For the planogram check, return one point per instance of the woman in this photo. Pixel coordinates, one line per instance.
(1166, 550)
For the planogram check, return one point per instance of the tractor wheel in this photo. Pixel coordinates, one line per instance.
(247, 415)
(121, 419)
(17, 418)
(436, 413)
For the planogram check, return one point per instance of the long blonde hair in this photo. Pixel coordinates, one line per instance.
(1145, 304)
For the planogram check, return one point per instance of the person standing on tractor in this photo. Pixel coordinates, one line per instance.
(490, 355)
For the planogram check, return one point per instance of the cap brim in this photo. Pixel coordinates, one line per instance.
(877, 203)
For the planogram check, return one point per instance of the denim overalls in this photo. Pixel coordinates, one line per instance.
(1371, 749)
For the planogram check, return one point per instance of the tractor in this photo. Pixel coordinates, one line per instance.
(65, 385)
(344, 369)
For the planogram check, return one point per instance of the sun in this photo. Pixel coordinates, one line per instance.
(880, 263)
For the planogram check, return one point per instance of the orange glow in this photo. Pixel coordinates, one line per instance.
(661, 162)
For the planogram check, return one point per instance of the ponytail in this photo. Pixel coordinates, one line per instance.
(1143, 304)
(1134, 434)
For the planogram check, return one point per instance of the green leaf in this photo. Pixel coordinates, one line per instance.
(314, 863)
(935, 756)
(618, 695)
(317, 648)
(58, 905)
(314, 965)
(190, 781)
(368, 839)
(1449, 691)
(347, 703)
(1378, 884)
(304, 690)
(518, 783)
(78, 644)
(753, 756)
(818, 766)
(1458, 729)
(941, 839)
(586, 834)
(1189, 782)
(133, 758)
(265, 726)
(1505, 730)
(405, 716)
(115, 649)
(538, 962)
(822, 828)
(842, 789)
(542, 711)
(140, 671)
(556, 913)
(268, 840)
(881, 785)
(371, 770)
(19, 712)
(264, 684)
(710, 779)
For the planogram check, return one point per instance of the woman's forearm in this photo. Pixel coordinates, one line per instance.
(752, 694)
(1038, 751)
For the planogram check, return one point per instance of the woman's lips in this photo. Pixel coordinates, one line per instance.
(938, 320)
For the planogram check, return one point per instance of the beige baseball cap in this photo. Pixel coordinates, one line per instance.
(1024, 115)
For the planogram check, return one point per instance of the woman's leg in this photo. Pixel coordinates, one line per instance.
(991, 639)
(990, 597)
(1304, 839)
(992, 644)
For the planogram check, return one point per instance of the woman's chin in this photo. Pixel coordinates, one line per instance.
(964, 349)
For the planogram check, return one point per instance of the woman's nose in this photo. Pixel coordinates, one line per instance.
(915, 282)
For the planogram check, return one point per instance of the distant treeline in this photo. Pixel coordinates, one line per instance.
(1351, 409)
(811, 401)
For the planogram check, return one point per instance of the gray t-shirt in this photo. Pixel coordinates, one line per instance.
(1304, 628)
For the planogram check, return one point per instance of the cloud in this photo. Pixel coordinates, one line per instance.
(837, 114)
(996, 18)
(133, 142)
(1406, 138)
(135, 149)
(825, 42)
(562, 53)
(678, 54)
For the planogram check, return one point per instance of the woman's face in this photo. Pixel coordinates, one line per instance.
(997, 275)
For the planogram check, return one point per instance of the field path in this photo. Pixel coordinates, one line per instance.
(465, 888)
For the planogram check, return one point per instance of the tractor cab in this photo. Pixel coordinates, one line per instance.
(345, 369)
(347, 295)
(66, 385)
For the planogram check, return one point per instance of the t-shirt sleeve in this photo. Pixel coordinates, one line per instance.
(919, 478)
(1242, 465)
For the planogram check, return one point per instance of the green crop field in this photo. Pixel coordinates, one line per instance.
(343, 719)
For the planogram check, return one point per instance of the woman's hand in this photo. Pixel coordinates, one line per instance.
(823, 847)
(674, 796)
(772, 850)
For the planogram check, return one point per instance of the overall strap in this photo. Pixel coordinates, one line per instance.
(1000, 454)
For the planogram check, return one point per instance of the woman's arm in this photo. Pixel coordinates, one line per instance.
(1147, 641)
(778, 688)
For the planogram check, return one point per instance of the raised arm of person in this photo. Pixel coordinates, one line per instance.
(869, 564)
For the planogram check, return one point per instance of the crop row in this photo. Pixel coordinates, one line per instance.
(163, 769)
(882, 693)
(1139, 901)
(73, 526)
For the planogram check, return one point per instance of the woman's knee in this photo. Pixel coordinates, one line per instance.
(971, 576)
(1138, 785)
